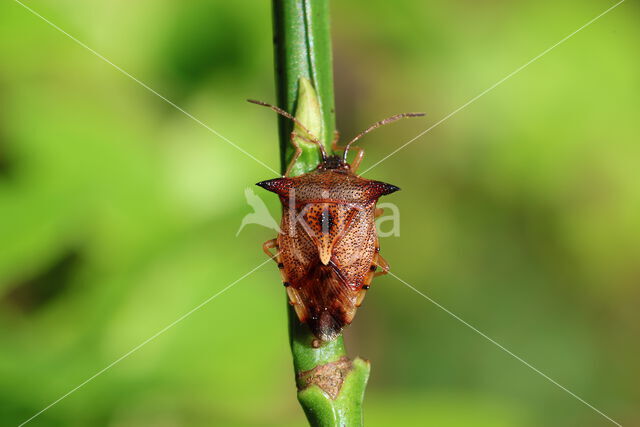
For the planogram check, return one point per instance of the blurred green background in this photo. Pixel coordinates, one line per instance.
(118, 213)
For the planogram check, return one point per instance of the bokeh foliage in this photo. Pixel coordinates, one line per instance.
(118, 214)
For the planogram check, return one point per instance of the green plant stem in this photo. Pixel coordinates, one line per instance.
(330, 385)
(303, 50)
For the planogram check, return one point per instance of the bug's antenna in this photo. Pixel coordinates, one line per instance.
(377, 125)
(280, 111)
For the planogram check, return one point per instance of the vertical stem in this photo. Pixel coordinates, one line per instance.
(330, 385)
(303, 50)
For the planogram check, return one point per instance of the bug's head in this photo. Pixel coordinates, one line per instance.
(334, 162)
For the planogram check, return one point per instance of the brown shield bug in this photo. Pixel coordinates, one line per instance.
(327, 249)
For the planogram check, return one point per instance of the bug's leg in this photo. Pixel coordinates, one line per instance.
(296, 302)
(296, 154)
(360, 297)
(383, 264)
(366, 283)
(268, 245)
(334, 143)
(357, 159)
(271, 244)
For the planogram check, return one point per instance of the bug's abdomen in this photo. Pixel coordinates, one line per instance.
(329, 302)
(326, 291)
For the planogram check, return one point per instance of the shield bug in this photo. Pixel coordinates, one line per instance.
(327, 249)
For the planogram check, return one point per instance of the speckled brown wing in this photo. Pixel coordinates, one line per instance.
(320, 293)
(355, 251)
